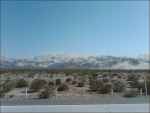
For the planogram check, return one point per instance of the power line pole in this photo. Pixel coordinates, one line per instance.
(145, 84)
(26, 92)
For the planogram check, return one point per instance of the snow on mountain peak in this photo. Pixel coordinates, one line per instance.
(63, 61)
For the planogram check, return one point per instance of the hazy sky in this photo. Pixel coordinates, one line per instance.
(74, 27)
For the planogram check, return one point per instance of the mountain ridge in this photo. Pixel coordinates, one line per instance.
(76, 62)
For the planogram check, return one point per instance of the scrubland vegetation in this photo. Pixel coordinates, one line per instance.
(48, 83)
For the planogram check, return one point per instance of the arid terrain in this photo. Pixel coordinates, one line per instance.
(78, 86)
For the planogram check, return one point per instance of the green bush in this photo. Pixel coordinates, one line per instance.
(21, 83)
(58, 82)
(37, 84)
(8, 86)
(133, 80)
(46, 92)
(93, 84)
(11, 96)
(63, 87)
(105, 80)
(80, 84)
(148, 87)
(2, 93)
(130, 93)
(143, 87)
(118, 86)
(74, 82)
(51, 84)
(68, 80)
(105, 88)
(148, 84)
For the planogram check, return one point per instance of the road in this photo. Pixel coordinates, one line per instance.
(76, 100)
(115, 108)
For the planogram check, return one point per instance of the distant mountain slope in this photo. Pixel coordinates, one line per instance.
(77, 62)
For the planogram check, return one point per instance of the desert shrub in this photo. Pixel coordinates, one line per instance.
(82, 79)
(105, 79)
(68, 80)
(148, 87)
(80, 84)
(51, 84)
(8, 86)
(130, 93)
(43, 93)
(107, 88)
(134, 84)
(63, 87)
(74, 82)
(11, 96)
(93, 84)
(21, 83)
(104, 88)
(58, 82)
(1, 90)
(46, 92)
(145, 84)
(37, 84)
(133, 80)
(148, 84)
(118, 86)
(2, 93)
(133, 77)
(141, 86)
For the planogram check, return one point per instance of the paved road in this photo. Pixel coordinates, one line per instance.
(115, 108)
(77, 100)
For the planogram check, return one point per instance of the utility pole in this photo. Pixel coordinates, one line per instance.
(141, 92)
(145, 84)
(26, 92)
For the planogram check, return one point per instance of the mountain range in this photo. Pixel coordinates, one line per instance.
(76, 62)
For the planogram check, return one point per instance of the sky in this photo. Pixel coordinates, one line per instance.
(34, 28)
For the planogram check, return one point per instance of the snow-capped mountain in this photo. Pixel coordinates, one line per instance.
(76, 62)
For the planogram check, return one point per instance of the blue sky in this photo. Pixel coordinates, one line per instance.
(118, 28)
